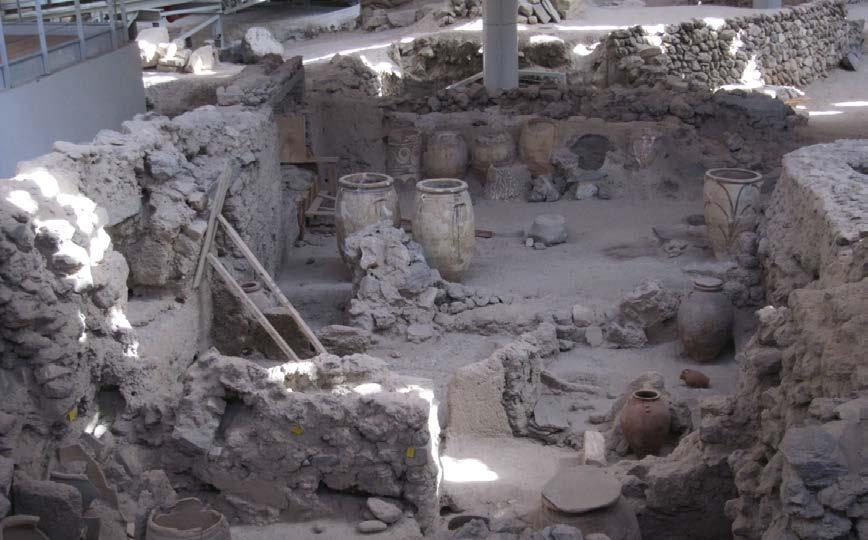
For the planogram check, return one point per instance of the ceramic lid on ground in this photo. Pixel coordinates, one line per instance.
(581, 489)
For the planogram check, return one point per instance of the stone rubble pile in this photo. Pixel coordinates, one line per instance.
(379, 15)
(157, 50)
(791, 47)
(395, 290)
(529, 11)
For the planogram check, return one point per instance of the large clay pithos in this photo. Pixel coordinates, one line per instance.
(705, 320)
(492, 147)
(364, 199)
(445, 226)
(731, 198)
(645, 421)
(446, 155)
(188, 519)
(404, 154)
(21, 527)
(538, 139)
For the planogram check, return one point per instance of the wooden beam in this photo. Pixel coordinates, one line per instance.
(239, 293)
(239, 242)
(216, 209)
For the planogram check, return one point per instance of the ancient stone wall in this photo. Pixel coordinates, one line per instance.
(790, 47)
(800, 415)
(87, 223)
(345, 423)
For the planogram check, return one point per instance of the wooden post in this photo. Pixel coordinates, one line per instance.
(216, 209)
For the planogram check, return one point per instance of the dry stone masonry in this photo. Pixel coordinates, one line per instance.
(792, 47)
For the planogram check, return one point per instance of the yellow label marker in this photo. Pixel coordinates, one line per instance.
(296, 430)
(72, 414)
(411, 452)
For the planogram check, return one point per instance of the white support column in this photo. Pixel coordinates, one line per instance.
(500, 44)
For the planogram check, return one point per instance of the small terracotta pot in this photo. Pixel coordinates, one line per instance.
(645, 421)
(695, 379)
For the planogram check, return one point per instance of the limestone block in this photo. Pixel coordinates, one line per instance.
(550, 229)
(594, 448)
(149, 41)
(201, 60)
(257, 43)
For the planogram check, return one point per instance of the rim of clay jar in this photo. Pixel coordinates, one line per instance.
(535, 121)
(400, 135)
(366, 180)
(731, 175)
(494, 135)
(708, 284)
(250, 286)
(446, 134)
(441, 185)
(166, 522)
(646, 394)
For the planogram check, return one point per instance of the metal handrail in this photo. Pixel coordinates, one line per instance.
(44, 49)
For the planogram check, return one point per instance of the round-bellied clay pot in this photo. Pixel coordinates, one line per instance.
(444, 225)
(364, 199)
(645, 421)
(188, 519)
(446, 155)
(491, 147)
(731, 198)
(536, 144)
(705, 320)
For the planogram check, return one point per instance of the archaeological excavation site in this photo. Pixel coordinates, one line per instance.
(443, 269)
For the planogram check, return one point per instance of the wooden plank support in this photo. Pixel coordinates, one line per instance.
(239, 293)
(216, 210)
(239, 242)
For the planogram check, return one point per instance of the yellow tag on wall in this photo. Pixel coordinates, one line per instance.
(296, 430)
(411, 452)
(72, 414)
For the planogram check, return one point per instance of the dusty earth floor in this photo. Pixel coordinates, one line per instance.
(611, 248)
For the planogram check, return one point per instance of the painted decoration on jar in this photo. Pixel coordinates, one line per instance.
(731, 199)
(404, 154)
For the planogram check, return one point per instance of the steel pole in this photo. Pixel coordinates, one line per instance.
(500, 44)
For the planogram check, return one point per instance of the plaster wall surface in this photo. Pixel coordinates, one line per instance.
(71, 105)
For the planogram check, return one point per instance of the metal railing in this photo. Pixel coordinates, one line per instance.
(86, 40)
